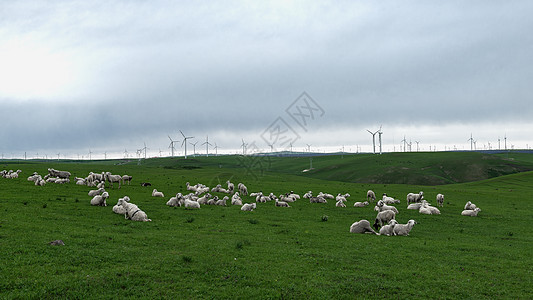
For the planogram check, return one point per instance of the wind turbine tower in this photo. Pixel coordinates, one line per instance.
(243, 147)
(404, 144)
(471, 139)
(373, 140)
(207, 144)
(185, 138)
(379, 135)
(194, 148)
(171, 146)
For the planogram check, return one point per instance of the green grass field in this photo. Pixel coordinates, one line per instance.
(272, 252)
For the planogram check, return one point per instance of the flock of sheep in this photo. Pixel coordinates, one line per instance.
(199, 194)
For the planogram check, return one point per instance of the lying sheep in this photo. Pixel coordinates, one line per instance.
(426, 209)
(119, 209)
(415, 206)
(470, 206)
(440, 200)
(388, 229)
(362, 226)
(203, 200)
(340, 203)
(281, 203)
(383, 217)
(155, 193)
(389, 200)
(99, 191)
(248, 207)
(381, 206)
(133, 212)
(236, 200)
(404, 229)
(222, 202)
(100, 200)
(360, 204)
(178, 200)
(243, 190)
(212, 201)
(191, 204)
(471, 213)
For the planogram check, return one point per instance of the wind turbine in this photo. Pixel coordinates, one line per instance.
(216, 149)
(271, 148)
(471, 139)
(185, 142)
(194, 148)
(379, 135)
(417, 144)
(171, 146)
(505, 139)
(207, 144)
(243, 147)
(144, 149)
(105, 155)
(308, 148)
(404, 144)
(57, 155)
(125, 153)
(90, 154)
(373, 140)
(291, 146)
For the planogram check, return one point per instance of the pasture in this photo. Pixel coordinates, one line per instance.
(272, 252)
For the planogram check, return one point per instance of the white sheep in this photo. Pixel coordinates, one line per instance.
(242, 189)
(248, 207)
(133, 212)
(99, 191)
(383, 217)
(212, 201)
(426, 209)
(360, 204)
(127, 178)
(415, 206)
(381, 206)
(470, 206)
(440, 200)
(389, 200)
(100, 200)
(370, 196)
(415, 197)
(326, 195)
(404, 229)
(231, 187)
(118, 208)
(236, 200)
(222, 202)
(281, 203)
(113, 179)
(178, 200)
(203, 200)
(471, 213)
(155, 193)
(388, 229)
(340, 203)
(191, 204)
(362, 226)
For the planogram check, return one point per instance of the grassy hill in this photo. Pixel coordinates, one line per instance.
(433, 168)
(272, 252)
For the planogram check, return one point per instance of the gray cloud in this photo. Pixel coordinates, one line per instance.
(141, 69)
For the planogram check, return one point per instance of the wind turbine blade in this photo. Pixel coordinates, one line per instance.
(182, 133)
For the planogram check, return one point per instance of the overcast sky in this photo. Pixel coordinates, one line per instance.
(111, 75)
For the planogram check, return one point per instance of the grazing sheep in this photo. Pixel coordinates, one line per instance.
(440, 200)
(370, 196)
(340, 203)
(99, 191)
(155, 193)
(470, 206)
(360, 204)
(383, 217)
(471, 213)
(113, 179)
(281, 203)
(388, 230)
(248, 207)
(362, 226)
(415, 197)
(100, 200)
(404, 229)
(191, 204)
(242, 189)
(127, 178)
(133, 212)
(60, 174)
